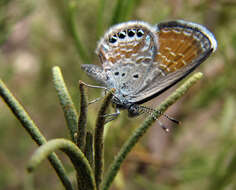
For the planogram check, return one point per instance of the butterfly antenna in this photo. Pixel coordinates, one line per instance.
(150, 110)
(172, 119)
(163, 126)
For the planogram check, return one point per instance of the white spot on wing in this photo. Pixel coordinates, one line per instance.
(147, 44)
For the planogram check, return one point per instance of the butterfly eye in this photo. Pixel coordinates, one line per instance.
(122, 34)
(140, 32)
(113, 39)
(131, 32)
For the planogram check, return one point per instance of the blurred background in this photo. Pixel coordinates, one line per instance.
(37, 35)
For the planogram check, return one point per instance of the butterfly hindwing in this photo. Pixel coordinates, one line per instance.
(126, 52)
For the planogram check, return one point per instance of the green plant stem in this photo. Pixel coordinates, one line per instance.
(89, 148)
(98, 140)
(81, 133)
(72, 9)
(81, 164)
(66, 102)
(224, 168)
(140, 131)
(123, 10)
(100, 18)
(34, 132)
(116, 17)
(128, 8)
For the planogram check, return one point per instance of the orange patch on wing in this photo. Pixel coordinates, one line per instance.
(176, 49)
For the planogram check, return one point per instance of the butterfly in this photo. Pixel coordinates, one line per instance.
(141, 61)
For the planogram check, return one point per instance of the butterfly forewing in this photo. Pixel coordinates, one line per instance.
(182, 47)
(180, 44)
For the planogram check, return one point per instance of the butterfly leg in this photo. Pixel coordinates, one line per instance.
(93, 86)
(111, 116)
(95, 100)
(98, 99)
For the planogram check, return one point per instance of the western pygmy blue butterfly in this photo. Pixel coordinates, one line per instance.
(141, 61)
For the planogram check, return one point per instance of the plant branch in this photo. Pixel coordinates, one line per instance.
(72, 9)
(81, 164)
(66, 102)
(88, 151)
(100, 18)
(81, 133)
(98, 139)
(33, 131)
